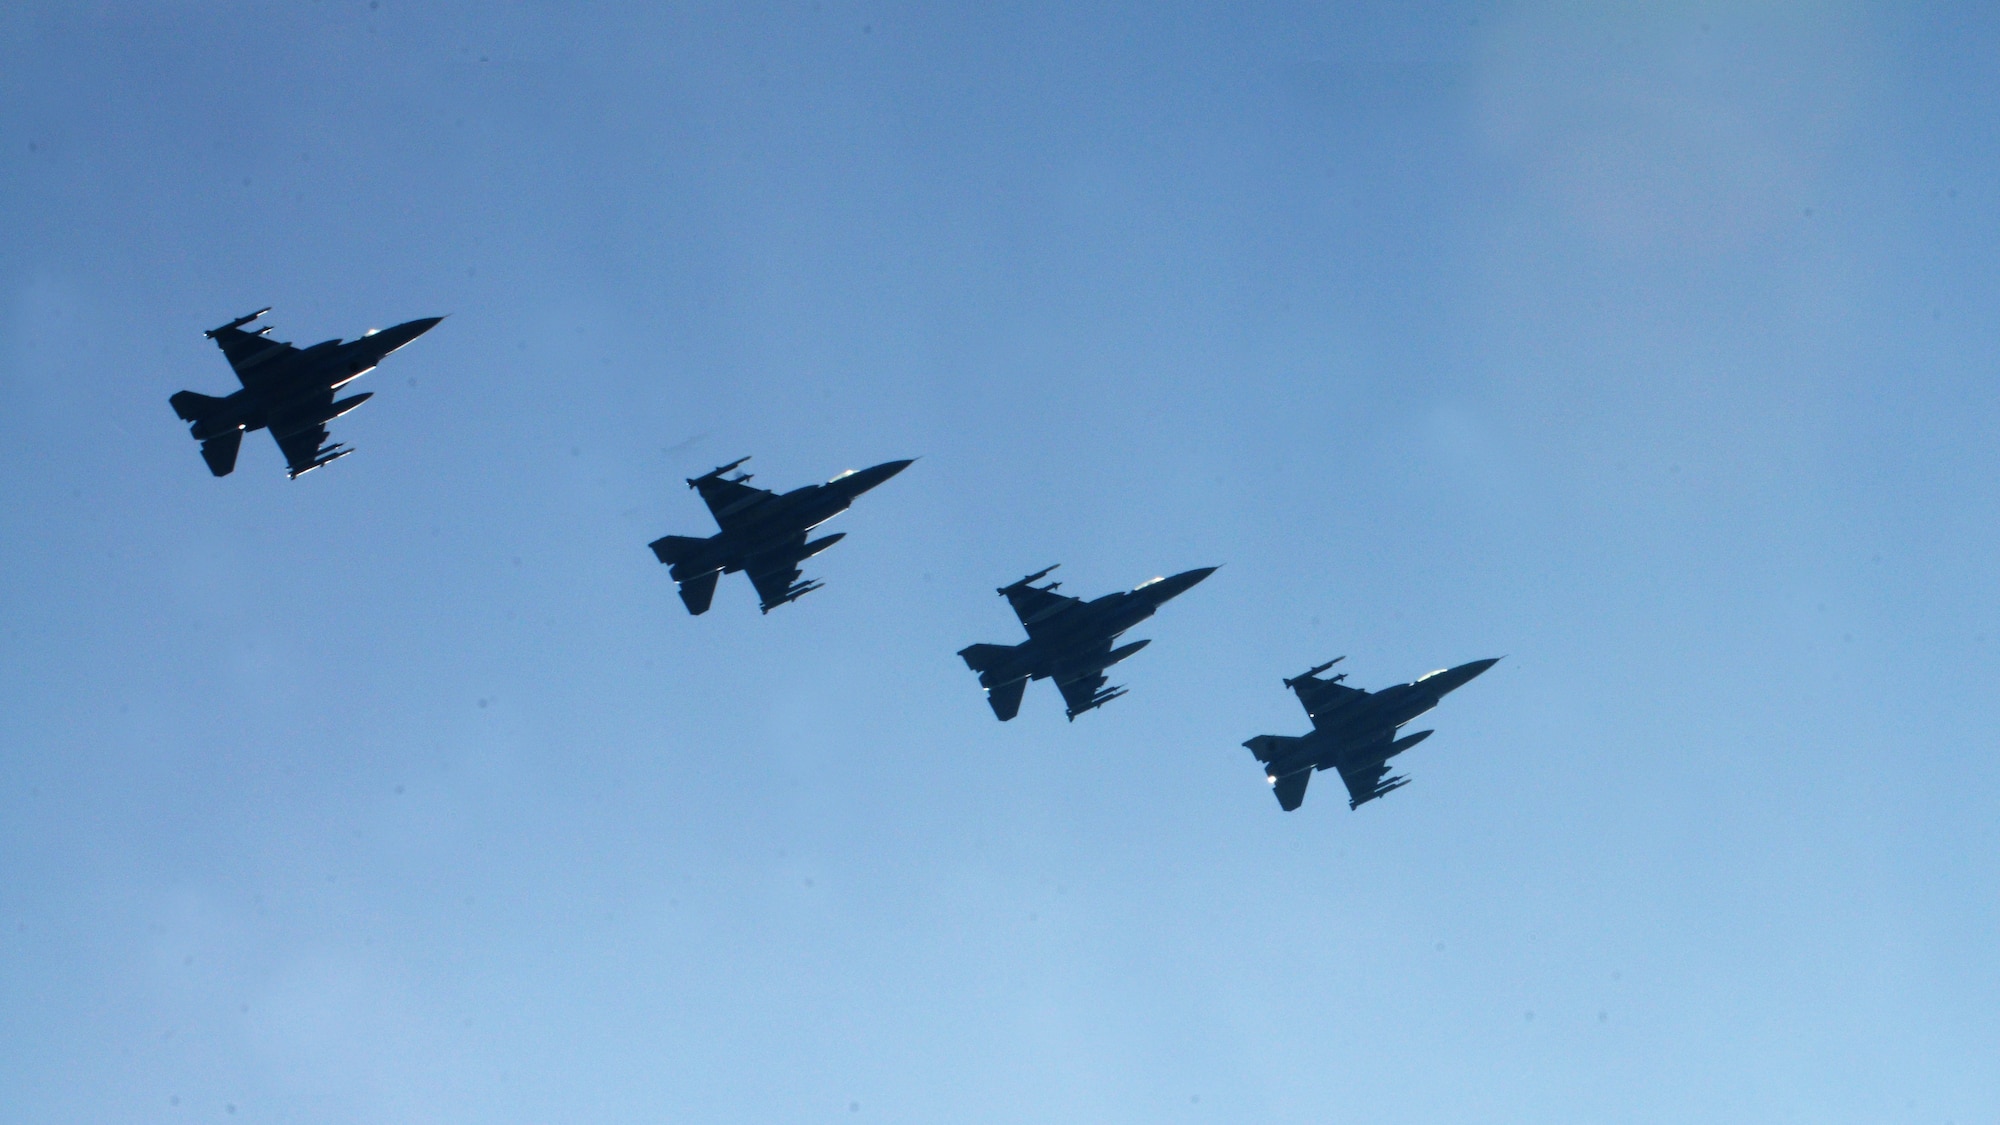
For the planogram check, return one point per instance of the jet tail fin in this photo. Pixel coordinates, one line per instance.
(191, 406)
(220, 452)
(697, 592)
(1006, 699)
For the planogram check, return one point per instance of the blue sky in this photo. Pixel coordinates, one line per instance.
(1651, 349)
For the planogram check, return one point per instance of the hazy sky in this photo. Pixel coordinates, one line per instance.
(1652, 350)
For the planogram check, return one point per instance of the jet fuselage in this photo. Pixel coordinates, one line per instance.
(281, 393)
(1065, 644)
(1360, 730)
(763, 528)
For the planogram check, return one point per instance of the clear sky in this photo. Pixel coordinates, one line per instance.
(1652, 350)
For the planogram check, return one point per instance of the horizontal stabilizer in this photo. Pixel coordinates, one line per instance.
(671, 549)
(698, 592)
(193, 407)
(1271, 747)
(220, 451)
(1006, 699)
(981, 658)
(1291, 789)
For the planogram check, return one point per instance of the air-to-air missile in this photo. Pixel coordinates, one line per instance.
(1294, 681)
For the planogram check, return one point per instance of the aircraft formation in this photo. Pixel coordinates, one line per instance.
(764, 535)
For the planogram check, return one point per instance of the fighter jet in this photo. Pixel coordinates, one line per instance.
(286, 390)
(763, 533)
(1069, 641)
(1354, 732)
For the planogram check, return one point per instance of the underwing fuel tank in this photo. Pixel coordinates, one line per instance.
(818, 545)
(346, 404)
(1121, 652)
(1091, 666)
(1402, 744)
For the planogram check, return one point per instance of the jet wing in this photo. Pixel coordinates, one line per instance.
(1365, 783)
(1080, 695)
(301, 449)
(775, 573)
(774, 582)
(1322, 698)
(730, 501)
(253, 356)
(1037, 608)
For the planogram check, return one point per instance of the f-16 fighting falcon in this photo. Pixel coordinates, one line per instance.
(1069, 641)
(763, 533)
(286, 390)
(1354, 732)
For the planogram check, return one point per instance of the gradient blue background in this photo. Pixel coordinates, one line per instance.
(1653, 350)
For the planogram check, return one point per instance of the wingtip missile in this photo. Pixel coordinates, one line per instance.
(1096, 701)
(793, 594)
(326, 456)
(715, 473)
(1035, 577)
(1313, 671)
(237, 323)
(1388, 786)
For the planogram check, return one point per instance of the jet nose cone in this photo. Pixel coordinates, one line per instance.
(389, 339)
(1454, 678)
(1180, 583)
(860, 482)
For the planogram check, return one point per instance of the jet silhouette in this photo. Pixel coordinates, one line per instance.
(1354, 732)
(763, 533)
(1069, 641)
(286, 390)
